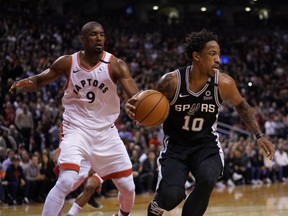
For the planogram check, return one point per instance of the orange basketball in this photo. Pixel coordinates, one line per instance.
(152, 108)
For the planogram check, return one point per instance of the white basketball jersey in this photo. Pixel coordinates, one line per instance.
(90, 99)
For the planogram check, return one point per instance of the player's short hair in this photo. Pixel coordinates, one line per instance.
(196, 41)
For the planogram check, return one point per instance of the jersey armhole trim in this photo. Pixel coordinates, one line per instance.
(110, 70)
(69, 73)
(178, 87)
(216, 90)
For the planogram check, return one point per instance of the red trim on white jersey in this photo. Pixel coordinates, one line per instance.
(91, 69)
(69, 73)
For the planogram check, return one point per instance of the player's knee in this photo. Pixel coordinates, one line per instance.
(90, 187)
(128, 189)
(169, 198)
(126, 185)
(66, 181)
(204, 187)
(206, 184)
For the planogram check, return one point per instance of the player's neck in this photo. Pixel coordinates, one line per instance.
(89, 60)
(197, 79)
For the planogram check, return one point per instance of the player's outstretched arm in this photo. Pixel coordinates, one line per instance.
(59, 67)
(230, 93)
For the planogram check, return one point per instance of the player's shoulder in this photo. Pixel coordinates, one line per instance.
(225, 79)
(116, 61)
(169, 75)
(167, 84)
(64, 59)
(62, 64)
(118, 68)
(168, 78)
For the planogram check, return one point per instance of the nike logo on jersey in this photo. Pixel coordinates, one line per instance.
(75, 71)
(181, 95)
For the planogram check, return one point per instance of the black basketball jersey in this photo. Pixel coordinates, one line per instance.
(192, 120)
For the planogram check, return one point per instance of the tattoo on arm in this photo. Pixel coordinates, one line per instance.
(166, 86)
(246, 114)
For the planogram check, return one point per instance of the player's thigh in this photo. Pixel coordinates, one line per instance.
(173, 172)
(72, 146)
(111, 156)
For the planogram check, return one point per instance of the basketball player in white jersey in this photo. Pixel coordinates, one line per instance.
(91, 106)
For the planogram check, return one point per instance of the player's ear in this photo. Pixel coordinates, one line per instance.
(82, 38)
(195, 56)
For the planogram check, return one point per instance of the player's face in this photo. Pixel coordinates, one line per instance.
(94, 39)
(210, 58)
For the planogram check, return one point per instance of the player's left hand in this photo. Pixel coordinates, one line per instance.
(26, 84)
(130, 106)
(267, 146)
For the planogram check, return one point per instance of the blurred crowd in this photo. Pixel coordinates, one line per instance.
(30, 122)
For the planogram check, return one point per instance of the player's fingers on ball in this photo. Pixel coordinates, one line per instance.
(138, 93)
(131, 115)
(130, 107)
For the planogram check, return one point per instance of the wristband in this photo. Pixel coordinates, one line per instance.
(259, 135)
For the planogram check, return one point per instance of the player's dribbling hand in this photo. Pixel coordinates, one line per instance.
(25, 83)
(267, 146)
(130, 106)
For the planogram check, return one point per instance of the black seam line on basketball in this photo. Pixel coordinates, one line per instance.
(157, 123)
(142, 101)
(152, 109)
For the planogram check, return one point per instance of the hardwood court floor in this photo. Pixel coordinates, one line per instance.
(265, 200)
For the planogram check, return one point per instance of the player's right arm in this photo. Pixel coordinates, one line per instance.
(167, 84)
(58, 68)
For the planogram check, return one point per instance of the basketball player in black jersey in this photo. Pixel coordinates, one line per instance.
(191, 143)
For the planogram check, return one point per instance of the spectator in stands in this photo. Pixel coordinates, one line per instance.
(270, 170)
(54, 132)
(9, 114)
(35, 180)
(46, 169)
(281, 161)
(16, 182)
(8, 161)
(137, 168)
(24, 122)
(2, 182)
(149, 171)
(153, 141)
(16, 135)
(271, 126)
(6, 140)
(257, 168)
(25, 159)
